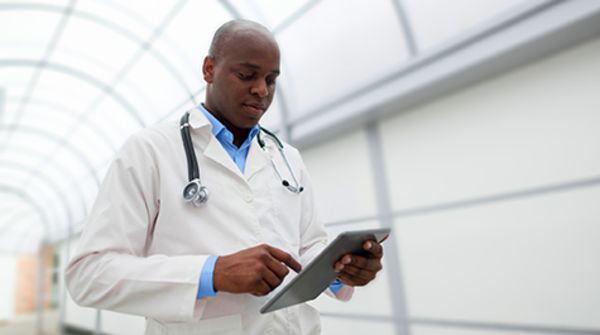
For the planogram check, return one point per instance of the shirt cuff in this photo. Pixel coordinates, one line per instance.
(336, 286)
(206, 289)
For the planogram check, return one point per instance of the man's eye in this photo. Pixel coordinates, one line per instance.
(244, 76)
(271, 80)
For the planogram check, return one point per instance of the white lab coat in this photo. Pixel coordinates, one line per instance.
(143, 247)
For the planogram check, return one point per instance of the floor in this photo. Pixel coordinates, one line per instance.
(26, 324)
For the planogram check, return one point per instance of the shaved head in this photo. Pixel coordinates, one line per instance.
(227, 31)
(240, 73)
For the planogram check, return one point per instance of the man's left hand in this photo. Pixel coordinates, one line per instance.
(359, 270)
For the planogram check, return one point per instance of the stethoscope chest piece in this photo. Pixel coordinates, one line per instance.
(195, 193)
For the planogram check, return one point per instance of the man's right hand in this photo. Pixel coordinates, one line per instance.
(256, 270)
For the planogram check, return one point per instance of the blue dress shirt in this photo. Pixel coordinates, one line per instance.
(225, 137)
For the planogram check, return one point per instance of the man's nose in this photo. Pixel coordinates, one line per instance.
(260, 89)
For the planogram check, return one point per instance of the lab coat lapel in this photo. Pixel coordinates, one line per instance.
(257, 159)
(209, 145)
(214, 150)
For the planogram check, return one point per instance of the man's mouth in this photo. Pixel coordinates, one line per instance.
(255, 107)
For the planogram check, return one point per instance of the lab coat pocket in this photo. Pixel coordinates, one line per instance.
(227, 325)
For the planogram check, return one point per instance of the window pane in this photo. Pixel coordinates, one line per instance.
(435, 22)
(328, 58)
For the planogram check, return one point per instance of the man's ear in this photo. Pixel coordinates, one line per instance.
(208, 69)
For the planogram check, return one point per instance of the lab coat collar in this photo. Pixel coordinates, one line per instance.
(207, 143)
(256, 160)
(198, 119)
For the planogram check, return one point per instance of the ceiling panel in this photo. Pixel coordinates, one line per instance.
(44, 197)
(13, 81)
(162, 89)
(274, 12)
(437, 22)
(86, 141)
(122, 65)
(139, 17)
(113, 121)
(184, 43)
(74, 89)
(41, 117)
(22, 237)
(95, 39)
(35, 31)
(328, 59)
(79, 163)
(92, 64)
(14, 50)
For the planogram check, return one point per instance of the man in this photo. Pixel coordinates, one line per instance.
(207, 269)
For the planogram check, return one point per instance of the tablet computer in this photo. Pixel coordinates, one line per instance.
(319, 273)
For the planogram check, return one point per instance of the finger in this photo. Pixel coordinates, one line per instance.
(372, 264)
(374, 248)
(262, 289)
(351, 280)
(285, 258)
(271, 279)
(277, 267)
(358, 273)
(338, 267)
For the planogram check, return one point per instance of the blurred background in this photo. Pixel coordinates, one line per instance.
(471, 127)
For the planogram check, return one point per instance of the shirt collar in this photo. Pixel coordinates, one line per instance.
(221, 132)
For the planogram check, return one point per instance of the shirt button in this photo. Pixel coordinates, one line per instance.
(248, 197)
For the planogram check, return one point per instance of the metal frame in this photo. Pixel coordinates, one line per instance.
(52, 186)
(41, 64)
(384, 212)
(406, 27)
(52, 137)
(386, 216)
(109, 25)
(60, 108)
(535, 30)
(64, 69)
(143, 48)
(31, 201)
(43, 195)
(435, 56)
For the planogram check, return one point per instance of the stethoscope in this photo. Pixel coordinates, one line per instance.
(197, 193)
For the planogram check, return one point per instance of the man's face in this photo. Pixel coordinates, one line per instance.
(241, 79)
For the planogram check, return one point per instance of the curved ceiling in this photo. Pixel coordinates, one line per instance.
(78, 77)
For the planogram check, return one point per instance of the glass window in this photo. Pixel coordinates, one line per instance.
(436, 22)
(330, 58)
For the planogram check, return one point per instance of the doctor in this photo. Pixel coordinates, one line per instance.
(208, 269)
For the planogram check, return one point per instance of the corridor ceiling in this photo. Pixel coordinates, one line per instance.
(78, 77)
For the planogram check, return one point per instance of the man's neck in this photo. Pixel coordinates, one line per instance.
(239, 134)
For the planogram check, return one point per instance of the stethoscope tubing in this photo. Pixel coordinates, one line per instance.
(196, 193)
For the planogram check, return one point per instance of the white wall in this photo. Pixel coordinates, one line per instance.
(347, 195)
(8, 276)
(528, 260)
